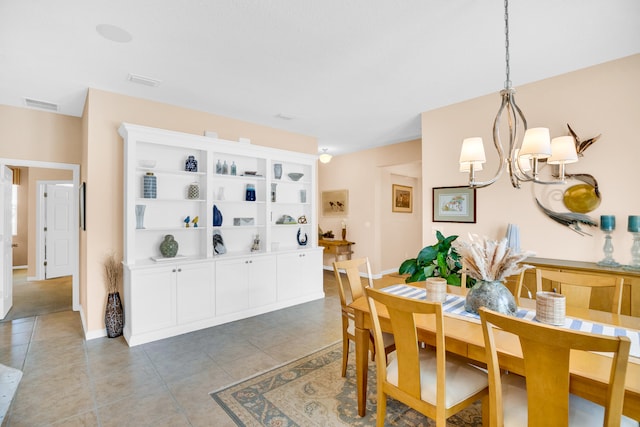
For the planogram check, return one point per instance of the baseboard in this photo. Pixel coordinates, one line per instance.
(19, 267)
(90, 335)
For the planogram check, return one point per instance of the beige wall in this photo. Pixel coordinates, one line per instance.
(27, 134)
(382, 236)
(601, 99)
(102, 158)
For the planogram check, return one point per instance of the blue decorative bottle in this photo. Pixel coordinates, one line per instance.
(251, 193)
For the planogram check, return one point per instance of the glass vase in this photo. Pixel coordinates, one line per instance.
(491, 294)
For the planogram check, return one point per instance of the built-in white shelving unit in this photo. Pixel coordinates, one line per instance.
(200, 288)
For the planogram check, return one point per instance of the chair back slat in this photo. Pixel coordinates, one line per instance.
(401, 315)
(579, 288)
(547, 351)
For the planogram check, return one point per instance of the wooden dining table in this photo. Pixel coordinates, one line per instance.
(589, 371)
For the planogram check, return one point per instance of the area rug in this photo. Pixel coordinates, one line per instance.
(311, 392)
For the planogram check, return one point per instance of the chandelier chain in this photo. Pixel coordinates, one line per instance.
(507, 83)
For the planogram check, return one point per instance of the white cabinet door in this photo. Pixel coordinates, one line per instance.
(195, 292)
(232, 286)
(262, 281)
(299, 274)
(153, 299)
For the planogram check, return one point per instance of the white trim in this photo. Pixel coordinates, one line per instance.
(75, 169)
(19, 267)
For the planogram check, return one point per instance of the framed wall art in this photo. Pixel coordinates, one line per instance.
(401, 198)
(335, 203)
(454, 204)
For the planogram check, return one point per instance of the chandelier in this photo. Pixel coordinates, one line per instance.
(522, 159)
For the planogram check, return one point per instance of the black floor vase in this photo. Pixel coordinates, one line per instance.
(114, 316)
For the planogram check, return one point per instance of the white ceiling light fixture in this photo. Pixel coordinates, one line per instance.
(114, 33)
(522, 157)
(325, 157)
(147, 81)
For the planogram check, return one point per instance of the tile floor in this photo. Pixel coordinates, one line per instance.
(103, 382)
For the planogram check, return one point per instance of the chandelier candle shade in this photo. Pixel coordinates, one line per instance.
(520, 159)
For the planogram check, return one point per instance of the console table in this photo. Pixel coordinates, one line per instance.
(340, 248)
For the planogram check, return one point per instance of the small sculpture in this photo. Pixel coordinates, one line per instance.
(286, 219)
(302, 242)
(186, 221)
(218, 243)
(256, 244)
(194, 221)
(302, 219)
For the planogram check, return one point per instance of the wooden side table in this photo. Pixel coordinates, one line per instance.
(340, 248)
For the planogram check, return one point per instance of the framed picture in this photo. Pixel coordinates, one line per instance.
(82, 204)
(335, 203)
(454, 204)
(401, 198)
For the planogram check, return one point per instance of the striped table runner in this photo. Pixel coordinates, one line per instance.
(454, 305)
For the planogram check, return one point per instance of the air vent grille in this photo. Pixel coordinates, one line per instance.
(43, 105)
(147, 81)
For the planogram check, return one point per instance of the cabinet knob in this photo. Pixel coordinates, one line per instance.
(173, 271)
(179, 270)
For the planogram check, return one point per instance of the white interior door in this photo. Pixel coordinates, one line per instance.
(58, 230)
(6, 267)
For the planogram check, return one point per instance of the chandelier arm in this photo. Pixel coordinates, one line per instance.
(498, 144)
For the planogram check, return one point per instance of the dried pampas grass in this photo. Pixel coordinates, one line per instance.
(490, 260)
(112, 272)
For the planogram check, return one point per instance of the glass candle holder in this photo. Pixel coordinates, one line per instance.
(633, 226)
(607, 225)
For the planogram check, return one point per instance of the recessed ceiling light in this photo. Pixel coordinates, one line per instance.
(147, 81)
(113, 33)
(43, 105)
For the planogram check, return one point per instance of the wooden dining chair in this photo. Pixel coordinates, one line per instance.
(426, 379)
(542, 397)
(578, 288)
(350, 290)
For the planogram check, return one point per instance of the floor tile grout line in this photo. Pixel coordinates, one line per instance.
(166, 386)
(92, 383)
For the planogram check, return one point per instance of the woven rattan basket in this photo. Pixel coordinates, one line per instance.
(550, 308)
(436, 289)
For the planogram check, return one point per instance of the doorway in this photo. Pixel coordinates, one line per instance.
(71, 247)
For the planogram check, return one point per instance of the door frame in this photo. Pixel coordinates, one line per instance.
(75, 169)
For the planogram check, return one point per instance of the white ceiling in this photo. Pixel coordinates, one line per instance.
(353, 73)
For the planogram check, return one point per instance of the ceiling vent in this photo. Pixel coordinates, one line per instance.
(43, 105)
(283, 116)
(147, 81)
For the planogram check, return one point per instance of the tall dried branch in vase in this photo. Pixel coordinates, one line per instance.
(112, 273)
(490, 260)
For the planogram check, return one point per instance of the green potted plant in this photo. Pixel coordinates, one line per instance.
(437, 260)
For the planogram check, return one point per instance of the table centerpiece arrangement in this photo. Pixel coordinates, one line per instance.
(490, 262)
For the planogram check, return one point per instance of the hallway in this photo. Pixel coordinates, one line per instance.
(33, 298)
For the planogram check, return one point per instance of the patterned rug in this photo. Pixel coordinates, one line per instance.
(311, 392)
